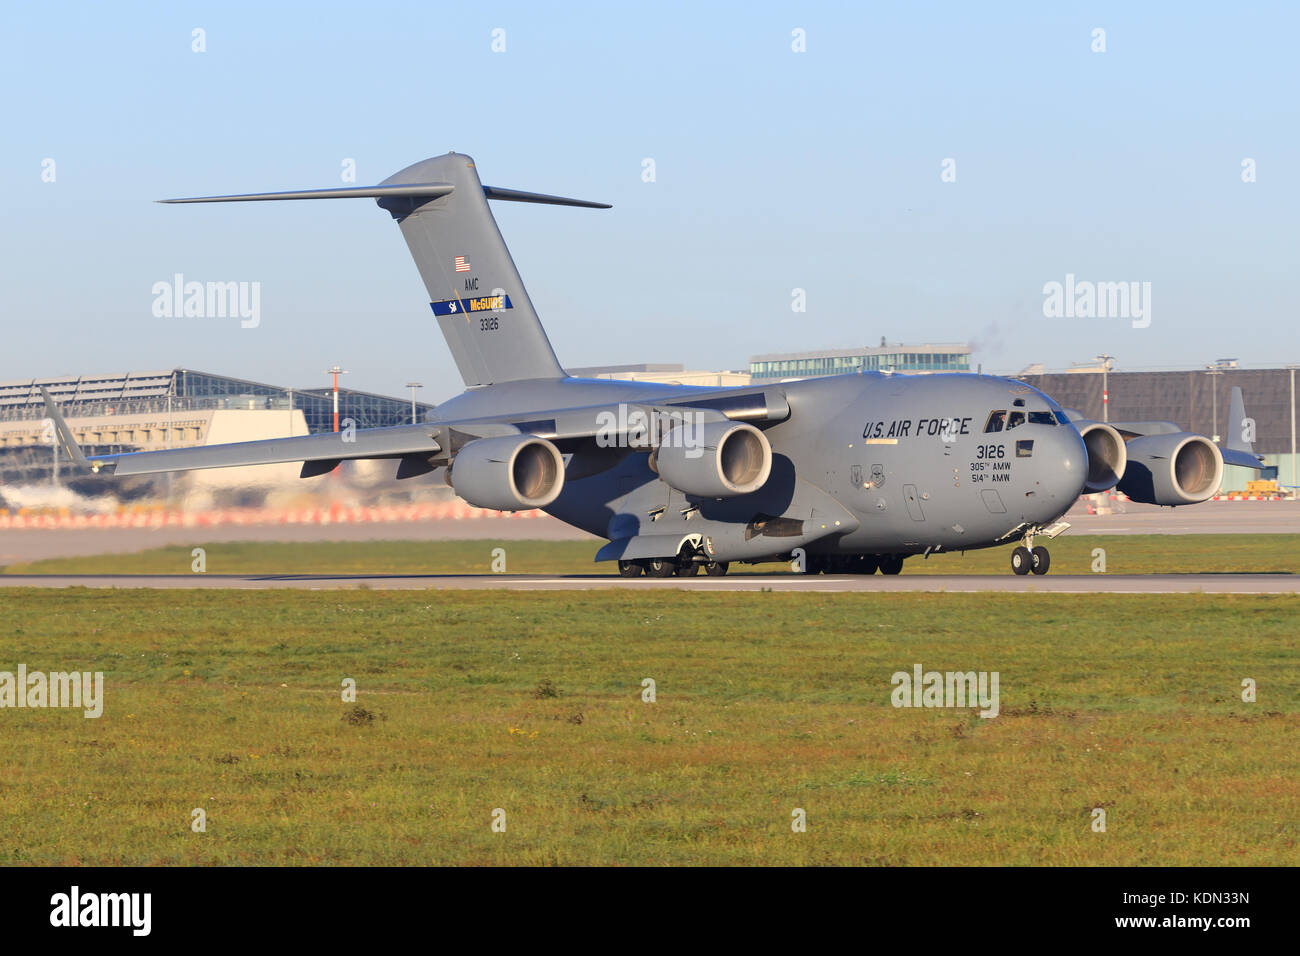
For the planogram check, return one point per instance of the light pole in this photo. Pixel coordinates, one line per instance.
(1105, 385)
(1292, 369)
(1212, 371)
(336, 372)
(413, 386)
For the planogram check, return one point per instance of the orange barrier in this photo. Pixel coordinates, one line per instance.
(332, 514)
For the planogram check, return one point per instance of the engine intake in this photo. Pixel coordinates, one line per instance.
(1175, 469)
(715, 460)
(1107, 457)
(510, 473)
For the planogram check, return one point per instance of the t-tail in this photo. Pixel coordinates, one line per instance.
(474, 289)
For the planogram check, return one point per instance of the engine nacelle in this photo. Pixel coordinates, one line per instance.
(510, 473)
(726, 459)
(1175, 469)
(1107, 457)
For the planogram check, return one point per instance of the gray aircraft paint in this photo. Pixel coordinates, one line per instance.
(864, 463)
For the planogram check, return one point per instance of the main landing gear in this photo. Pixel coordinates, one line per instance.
(853, 563)
(668, 567)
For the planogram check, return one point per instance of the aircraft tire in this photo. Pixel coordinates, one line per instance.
(716, 569)
(659, 567)
(1040, 560)
(687, 570)
(891, 563)
(1021, 560)
(868, 564)
(630, 569)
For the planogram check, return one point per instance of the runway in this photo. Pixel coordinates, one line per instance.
(868, 584)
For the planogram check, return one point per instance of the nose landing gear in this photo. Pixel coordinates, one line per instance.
(1027, 557)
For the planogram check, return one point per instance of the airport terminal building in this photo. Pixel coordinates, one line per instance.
(175, 408)
(882, 358)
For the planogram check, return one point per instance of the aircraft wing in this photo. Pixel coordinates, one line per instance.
(327, 448)
(1231, 456)
(427, 445)
(1236, 451)
(567, 426)
(319, 453)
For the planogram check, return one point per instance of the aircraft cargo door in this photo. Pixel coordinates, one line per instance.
(913, 502)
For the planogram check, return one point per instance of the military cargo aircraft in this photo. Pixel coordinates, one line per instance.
(849, 473)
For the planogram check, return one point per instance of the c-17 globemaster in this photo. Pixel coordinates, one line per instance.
(852, 473)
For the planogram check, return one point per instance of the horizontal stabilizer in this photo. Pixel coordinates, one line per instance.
(517, 195)
(419, 190)
(404, 190)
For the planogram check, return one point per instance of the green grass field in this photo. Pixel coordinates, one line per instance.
(1136, 554)
(767, 702)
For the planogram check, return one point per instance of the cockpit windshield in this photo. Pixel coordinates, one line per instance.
(997, 419)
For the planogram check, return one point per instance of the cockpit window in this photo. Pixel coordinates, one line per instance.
(994, 424)
(1041, 418)
(1015, 419)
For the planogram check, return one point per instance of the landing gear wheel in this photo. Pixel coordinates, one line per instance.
(891, 563)
(689, 569)
(815, 564)
(1040, 560)
(660, 567)
(629, 569)
(716, 569)
(870, 564)
(1021, 560)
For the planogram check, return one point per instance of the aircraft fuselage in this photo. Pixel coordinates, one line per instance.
(866, 463)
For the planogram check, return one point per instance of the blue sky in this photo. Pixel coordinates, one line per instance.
(775, 170)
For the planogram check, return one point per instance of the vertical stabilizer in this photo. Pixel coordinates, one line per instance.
(474, 289)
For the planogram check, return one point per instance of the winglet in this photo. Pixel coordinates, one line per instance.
(1239, 448)
(69, 443)
(1239, 426)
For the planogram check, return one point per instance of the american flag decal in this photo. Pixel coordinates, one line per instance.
(462, 264)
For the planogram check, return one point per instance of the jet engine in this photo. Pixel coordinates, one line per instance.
(510, 473)
(1174, 469)
(714, 460)
(1107, 457)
